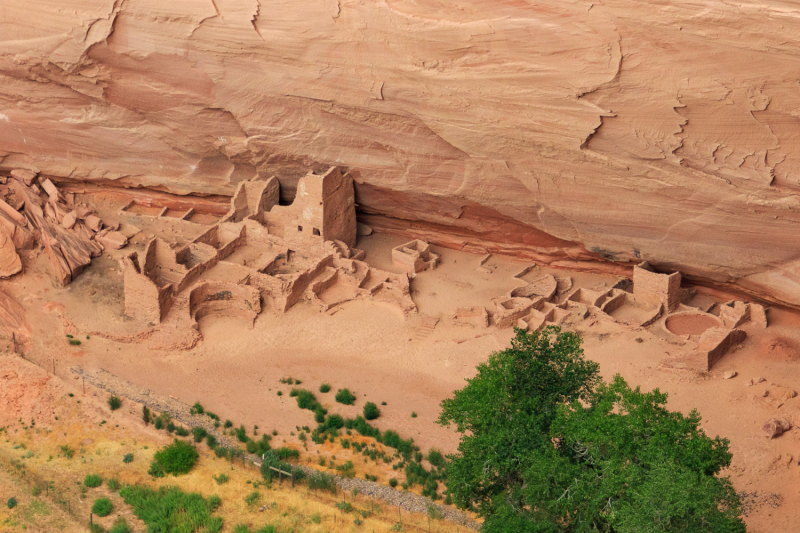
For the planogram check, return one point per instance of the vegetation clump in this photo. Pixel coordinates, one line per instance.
(102, 507)
(546, 446)
(92, 481)
(114, 402)
(344, 396)
(176, 458)
(371, 411)
(170, 509)
(325, 387)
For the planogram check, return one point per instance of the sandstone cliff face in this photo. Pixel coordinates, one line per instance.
(561, 130)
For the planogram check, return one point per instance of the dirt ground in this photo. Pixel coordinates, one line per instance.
(371, 349)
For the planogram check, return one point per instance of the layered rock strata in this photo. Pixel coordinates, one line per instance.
(568, 131)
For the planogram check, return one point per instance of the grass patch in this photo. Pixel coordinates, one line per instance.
(92, 481)
(169, 509)
(325, 387)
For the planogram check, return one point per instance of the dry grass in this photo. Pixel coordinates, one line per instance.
(31, 457)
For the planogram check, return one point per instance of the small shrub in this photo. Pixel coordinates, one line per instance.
(214, 502)
(334, 421)
(92, 481)
(344, 396)
(436, 458)
(434, 512)
(347, 470)
(371, 411)
(325, 387)
(170, 426)
(228, 424)
(102, 507)
(181, 431)
(114, 403)
(199, 433)
(113, 484)
(120, 526)
(413, 414)
(145, 414)
(221, 451)
(197, 409)
(159, 424)
(177, 458)
(241, 434)
(211, 441)
(36, 490)
(305, 399)
(128, 458)
(253, 498)
(11, 503)
(221, 479)
(74, 342)
(283, 453)
(66, 451)
(393, 482)
(321, 481)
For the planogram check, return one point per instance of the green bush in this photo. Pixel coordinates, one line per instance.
(181, 431)
(113, 484)
(371, 411)
(305, 399)
(199, 433)
(221, 479)
(145, 415)
(159, 423)
(345, 397)
(325, 387)
(92, 481)
(253, 498)
(102, 507)
(120, 526)
(214, 502)
(114, 403)
(334, 421)
(393, 482)
(436, 458)
(228, 424)
(241, 434)
(321, 481)
(11, 503)
(284, 454)
(169, 509)
(272, 460)
(177, 458)
(211, 441)
(197, 409)
(128, 458)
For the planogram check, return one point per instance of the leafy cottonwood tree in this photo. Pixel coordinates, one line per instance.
(546, 446)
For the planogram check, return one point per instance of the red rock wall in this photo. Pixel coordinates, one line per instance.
(565, 130)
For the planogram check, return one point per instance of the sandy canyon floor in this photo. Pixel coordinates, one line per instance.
(370, 348)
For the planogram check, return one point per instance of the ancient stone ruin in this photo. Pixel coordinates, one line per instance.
(653, 300)
(261, 251)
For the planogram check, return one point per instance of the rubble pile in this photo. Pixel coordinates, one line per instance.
(32, 210)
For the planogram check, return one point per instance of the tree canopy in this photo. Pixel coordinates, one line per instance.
(547, 446)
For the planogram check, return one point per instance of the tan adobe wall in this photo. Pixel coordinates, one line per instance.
(144, 300)
(653, 288)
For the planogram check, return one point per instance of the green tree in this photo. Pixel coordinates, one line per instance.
(547, 447)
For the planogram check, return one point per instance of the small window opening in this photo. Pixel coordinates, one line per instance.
(315, 231)
(300, 229)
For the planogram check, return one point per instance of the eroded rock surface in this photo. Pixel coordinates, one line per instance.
(563, 131)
